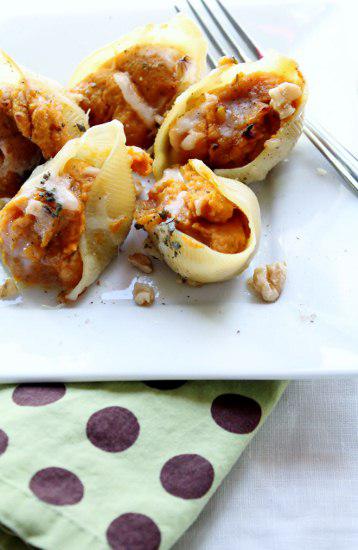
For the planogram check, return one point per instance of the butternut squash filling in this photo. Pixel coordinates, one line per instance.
(40, 229)
(33, 127)
(197, 209)
(18, 156)
(137, 87)
(228, 128)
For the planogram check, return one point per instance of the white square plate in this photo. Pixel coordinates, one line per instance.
(218, 331)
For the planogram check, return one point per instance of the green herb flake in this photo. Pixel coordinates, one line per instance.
(163, 214)
(81, 127)
(248, 131)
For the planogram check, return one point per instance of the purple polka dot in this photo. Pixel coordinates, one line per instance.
(236, 413)
(37, 395)
(57, 486)
(133, 532)
(113, 429)
(165, 384)
(187, 476)
(4, 441)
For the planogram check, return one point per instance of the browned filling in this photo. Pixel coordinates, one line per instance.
(230, 126)
(32, 128)
(18, 156)
(198, 209)
(141, 162)
(155, 75)
(45, 250)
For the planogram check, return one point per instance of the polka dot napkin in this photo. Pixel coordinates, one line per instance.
(125, 465)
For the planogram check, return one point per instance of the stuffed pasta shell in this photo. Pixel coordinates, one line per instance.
(205, 227)
(241, 119)
(37, 117)
(66, 222)
(136, 78)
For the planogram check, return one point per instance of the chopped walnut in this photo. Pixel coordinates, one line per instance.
(138, 187)
(141, 261)
(8, 289)
(143, 294)
(268, 282)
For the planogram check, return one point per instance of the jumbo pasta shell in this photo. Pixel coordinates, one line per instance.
(179, 32)
(136, 78)
(195, 260)
(114, 185)
(275, 149)
(37, 117)
(109, 206)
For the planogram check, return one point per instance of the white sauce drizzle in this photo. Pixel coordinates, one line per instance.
(282, 97)
(187, 124)
(60, 187)
(91, 171)
(63, 196)
(172, 174)
(44, 221)
(131, 96)
(175, 206)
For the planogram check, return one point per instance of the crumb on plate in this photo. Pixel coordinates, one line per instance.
(321, 171)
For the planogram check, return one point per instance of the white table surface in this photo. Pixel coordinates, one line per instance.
(296, 486)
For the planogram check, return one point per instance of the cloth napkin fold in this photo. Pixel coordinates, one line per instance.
(122, 465)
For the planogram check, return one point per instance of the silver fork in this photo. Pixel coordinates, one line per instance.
(342, 160)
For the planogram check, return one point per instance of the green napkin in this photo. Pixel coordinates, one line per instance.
(123, 465)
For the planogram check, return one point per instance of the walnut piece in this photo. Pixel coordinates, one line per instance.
(8, 289)
(143, 294)
(141, 261)
(268, 282)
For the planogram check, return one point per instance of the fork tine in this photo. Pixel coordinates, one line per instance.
(209, 58)
(254, 49)
(241, 55)
(209, 34)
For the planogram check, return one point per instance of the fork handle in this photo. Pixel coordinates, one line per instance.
(344, 162)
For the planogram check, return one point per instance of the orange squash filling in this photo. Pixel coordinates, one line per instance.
(227, 128)
(42, 247)
(141, 162)
(198, 209)
(152, 74)
(32, 128)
